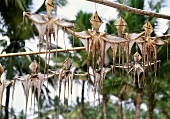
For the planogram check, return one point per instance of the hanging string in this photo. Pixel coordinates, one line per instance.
(55, 77)
(48, 57)
(66, 51)
(88, 65)
(167, 51)
(47, 46)
(39, 54)
(96, 6)
(72, 59)
(73, 54)
(64, 39)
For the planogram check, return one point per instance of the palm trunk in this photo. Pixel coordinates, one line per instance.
(120, 109)
(82, 101)
(138, 102)
(7, 102)
(105, 99)
(151, 105)
(1, 95)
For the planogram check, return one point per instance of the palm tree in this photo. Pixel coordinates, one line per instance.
(17, 31)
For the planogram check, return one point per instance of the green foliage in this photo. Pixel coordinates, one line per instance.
(83, 20)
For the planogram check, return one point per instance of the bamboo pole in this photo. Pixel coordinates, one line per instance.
(57, 73)
(130, 9)
(41, 52)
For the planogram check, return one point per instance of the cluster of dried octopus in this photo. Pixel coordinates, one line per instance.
(96, 44)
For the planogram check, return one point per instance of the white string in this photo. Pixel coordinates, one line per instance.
(96, 6)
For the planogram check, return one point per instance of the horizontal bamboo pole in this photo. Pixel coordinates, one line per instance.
(41, 52)
(130, 9)
(57, 73)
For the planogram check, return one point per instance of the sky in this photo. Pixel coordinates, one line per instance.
(69, 12)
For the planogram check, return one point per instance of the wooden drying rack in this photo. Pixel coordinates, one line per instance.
(41, 52)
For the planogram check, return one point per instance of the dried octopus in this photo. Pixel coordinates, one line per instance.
(138, 69)
(96, 43)
(65, 75)
(98, 83)
(33, 81)
(3, 85)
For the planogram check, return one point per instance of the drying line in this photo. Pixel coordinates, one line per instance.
(41, 52)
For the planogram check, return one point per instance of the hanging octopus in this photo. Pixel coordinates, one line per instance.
(151, 43)
(138, 69)
(65, 75)
(3, 85)
(47, 26)
(33, 81)
(96, 43)
(120, 25)
(98, 83)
